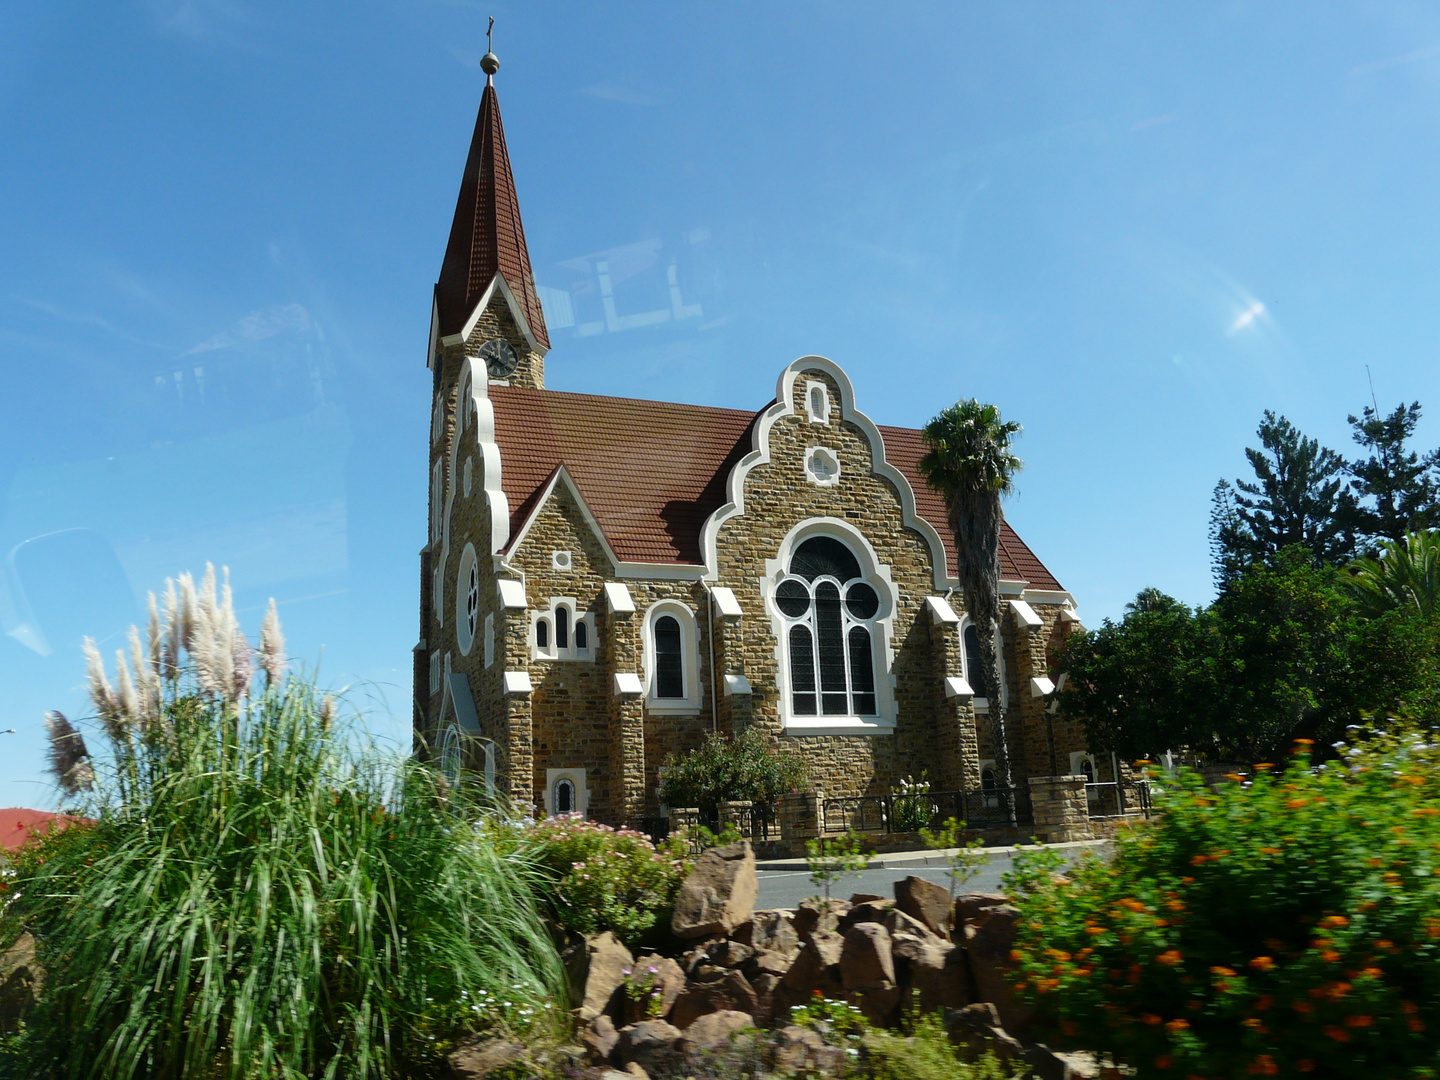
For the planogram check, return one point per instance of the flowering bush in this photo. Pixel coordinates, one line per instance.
(746, 767)
(911, 809)
(600, 878)
(1285, 926)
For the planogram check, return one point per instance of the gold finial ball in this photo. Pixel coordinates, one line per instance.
(490, 63)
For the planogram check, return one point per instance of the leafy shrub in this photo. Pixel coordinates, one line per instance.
(1281, 927)
(259, 895)
(910, 808)
(723, 769)
(598, 878)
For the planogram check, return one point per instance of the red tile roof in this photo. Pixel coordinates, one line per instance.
(652, 472)
(18, 826)
(486, 236)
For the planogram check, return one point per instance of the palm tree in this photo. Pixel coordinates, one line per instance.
(969, 462)
(1405, 575)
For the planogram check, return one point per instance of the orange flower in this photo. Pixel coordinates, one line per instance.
(1177, 1025)
(1330, 956)
(1254, 1023)
(1264, 1065)
(1263, 1003)
(1305, 1065)
(1262, 963)
(1163, 1061)
(1271, 851)
(1415, 1023)
(1338, 1034)
(1222, 971)
(1304, 1008)
(1296, 804)
(1359, 1021)
(1170, 957)
(1304, 742)
(1199, 860)
(1150, 1019)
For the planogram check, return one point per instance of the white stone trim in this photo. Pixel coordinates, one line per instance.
(1012, 587)
(479, 309)
(956, 686)
(575, 619)
(941, 613)
(689, 659)
(760, 455)
(464, 626)
(562, 561)
(628, 684)
(983, 704)
(822, 414)
(1049, 596)
(512, 593)
(1041, 686)
(737, 684)
(822, 466)
(490, 639)
(617, 596)
(432, 347)
(726, 603)
(1025, 614)
(518, 682)
(874, 573)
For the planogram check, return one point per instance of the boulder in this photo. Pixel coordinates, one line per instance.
(970, 907)
(599, 1038)
(765, 963)
(715, 1030)
(938, 976)
(815, 958)
(865, 959)
(773, 931)
(632, 1071)
(864, 898)
(813, 915)
(730, 990)
(597, 968)
(880, 1004)
(977, 1029)
(719, 893)
(765, 986)
(20, 982)
(871, 911)
(729, 954)
(992, 969)
(800, 1051)
(925, 902)
(479, 1057)
(666, 975)
(652, 1044)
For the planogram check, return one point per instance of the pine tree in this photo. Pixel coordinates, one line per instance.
(1298, 497)
(1396, 491)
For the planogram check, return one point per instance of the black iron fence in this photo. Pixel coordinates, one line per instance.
(1116, 800)
(911, 813)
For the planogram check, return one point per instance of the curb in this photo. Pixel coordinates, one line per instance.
(929, 858)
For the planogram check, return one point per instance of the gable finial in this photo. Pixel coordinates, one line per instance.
(490, 63)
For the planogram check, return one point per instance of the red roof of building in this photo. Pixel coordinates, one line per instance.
(18, 825)
(486, 236)
(652, 472)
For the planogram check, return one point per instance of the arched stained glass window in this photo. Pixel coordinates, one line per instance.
(542, 634)
(830, 612)
(562, 628)
(564, 797)
(582, 636)
(975, 662)
(669, 660)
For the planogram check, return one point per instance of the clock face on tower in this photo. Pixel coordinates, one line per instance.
(500, 359)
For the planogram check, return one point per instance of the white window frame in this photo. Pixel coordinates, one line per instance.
(435, 673)
(821, 415)
(810, 474)
(991, 801)
(490, 639)
(983, 704)
(552, 651)
(882, 629)
(582, 793)
(689, 659)
(1077, 768)
(437, 498)
(467, 599)
(451, 759)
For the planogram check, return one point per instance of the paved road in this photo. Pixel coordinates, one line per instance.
(786, 888)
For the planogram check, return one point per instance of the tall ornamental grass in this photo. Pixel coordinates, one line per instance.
(257, 897)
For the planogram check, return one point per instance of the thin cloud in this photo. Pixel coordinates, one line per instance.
(1154, 121)
(257, 326)
(624, 94)
(1397, 61)
(1256, 310)
(84, 318)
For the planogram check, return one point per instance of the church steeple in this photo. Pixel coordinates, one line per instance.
(486, 236)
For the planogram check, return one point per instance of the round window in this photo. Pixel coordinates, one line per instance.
(450, 757)
(467, 599)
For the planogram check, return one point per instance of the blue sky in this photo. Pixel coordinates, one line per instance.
(1132, 226)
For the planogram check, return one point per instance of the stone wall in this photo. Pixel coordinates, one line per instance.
(1060, 809)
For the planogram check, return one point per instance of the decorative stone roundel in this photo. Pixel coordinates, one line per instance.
(822, 466)
(467, 599)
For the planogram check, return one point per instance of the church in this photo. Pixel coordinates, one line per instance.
(606, 580)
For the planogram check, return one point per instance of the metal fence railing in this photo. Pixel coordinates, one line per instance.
(1110, 799)
(911, 813)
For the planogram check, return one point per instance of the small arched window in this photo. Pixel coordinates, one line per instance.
(542, 634)
(975, 662)
(562, 628)
(582, 636)
(989, 786)
(669, 658)
(564, 797)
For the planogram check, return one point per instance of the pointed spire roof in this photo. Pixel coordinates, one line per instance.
(486, 237)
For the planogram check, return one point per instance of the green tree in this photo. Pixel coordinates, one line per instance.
(969, 462)
(1404, 576)
(1396, 490)
(720, 769)
(1298, 497)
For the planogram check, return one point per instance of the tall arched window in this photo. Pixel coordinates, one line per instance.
(669, 658)
(975, 665)
(829, 630)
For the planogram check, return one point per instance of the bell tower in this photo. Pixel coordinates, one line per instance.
(485, 300)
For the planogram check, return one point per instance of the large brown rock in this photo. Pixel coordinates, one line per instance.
(719, 894)
(870, 911)
(765, 962)
(20, 982)
(897, 922)
(992, 969)
(600, 1037)
(925, 902)
(816, 957)
(813, 915)
(939, 978)
(729, 990)
(800, 1051)
(729, 954)
(879, 1004)
(865, 959)
(652, 1044)
(715, 1030)
(597, 968)
(765, 985)
(970, 907)
(772, 931)
(479, 1057)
